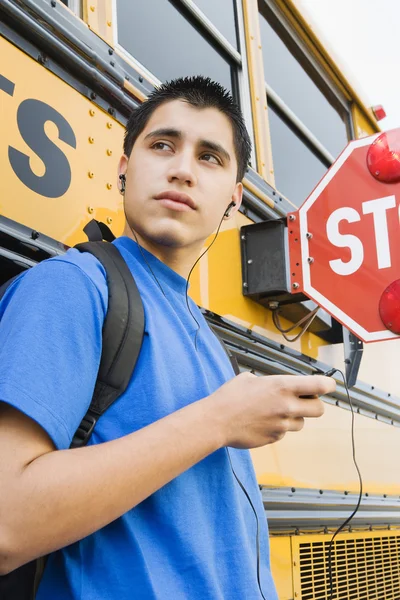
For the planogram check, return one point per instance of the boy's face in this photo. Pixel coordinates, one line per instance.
(181, 176)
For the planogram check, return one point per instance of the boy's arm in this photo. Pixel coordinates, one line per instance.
(50, 498)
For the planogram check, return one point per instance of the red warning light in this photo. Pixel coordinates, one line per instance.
(389, 307)
(379, 112)
(383, 158)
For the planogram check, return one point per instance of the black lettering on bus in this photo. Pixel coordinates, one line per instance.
(6, 85)
(31, 118)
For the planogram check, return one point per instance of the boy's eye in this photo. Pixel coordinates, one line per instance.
(211, 158)
(161, 146)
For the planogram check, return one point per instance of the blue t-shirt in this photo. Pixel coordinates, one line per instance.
(195, 538)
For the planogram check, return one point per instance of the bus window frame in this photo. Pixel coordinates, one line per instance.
(75, 6)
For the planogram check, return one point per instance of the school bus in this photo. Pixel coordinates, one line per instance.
(70, 74)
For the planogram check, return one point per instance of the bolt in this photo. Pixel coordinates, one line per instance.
(273, 305)
(109, 152)
(377, 172)
(109, 186)
(310, 260)
(109, 23)
(295, 564)
(109, 125)
(92, 112)
(93, 95)
(90, 174)
(242, 237)
(111, 110)
(245, 285)
(295, 286)
(292, 218)
(140, 79)
(91, 140)
(110, 51)
(35, 235)
(112, 63)
(42, 59)
(109, 220)
(249, 262)
(309, 236)
(90, 209)
(53, 3)
(92, 8)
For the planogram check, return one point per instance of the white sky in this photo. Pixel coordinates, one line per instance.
(365, 38)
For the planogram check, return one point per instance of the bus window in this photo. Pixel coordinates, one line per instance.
(297, 169)
(308, 127)
(168, 52)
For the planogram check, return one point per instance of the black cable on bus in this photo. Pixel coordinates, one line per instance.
(347, 521)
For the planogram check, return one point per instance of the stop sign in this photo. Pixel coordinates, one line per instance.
(344, 241)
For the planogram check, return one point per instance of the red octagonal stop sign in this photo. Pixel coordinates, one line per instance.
(345, 239)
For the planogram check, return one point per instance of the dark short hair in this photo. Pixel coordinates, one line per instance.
(200, 92)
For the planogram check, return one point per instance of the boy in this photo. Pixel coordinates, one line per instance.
(151, 508)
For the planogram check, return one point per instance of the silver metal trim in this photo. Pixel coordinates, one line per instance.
(299, 124)
(212, 30)
(243, 80)
(298, 507)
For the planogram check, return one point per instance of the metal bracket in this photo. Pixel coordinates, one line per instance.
(353, 350)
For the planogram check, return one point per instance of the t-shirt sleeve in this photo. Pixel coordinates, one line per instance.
(51, 323)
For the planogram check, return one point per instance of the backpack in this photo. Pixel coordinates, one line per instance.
(122, 335)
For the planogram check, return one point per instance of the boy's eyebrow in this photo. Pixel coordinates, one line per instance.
(177, 134)
(214, 146)
(165, 131)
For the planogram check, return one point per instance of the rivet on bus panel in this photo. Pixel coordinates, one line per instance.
(92, 8)
(109, 23)
(109, 152)
(90, 174)
(92, 112)
(109, 125)
(90, 209)
(91, 140)
(109, 220)
(109, 186)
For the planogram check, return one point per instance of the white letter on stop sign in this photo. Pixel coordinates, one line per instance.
(378, 209)
(345, 241)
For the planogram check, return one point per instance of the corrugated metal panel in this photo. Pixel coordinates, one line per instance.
(364, 567)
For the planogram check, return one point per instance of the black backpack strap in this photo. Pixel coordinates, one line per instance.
(97, 231)
(232, 358)
(123, 331)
